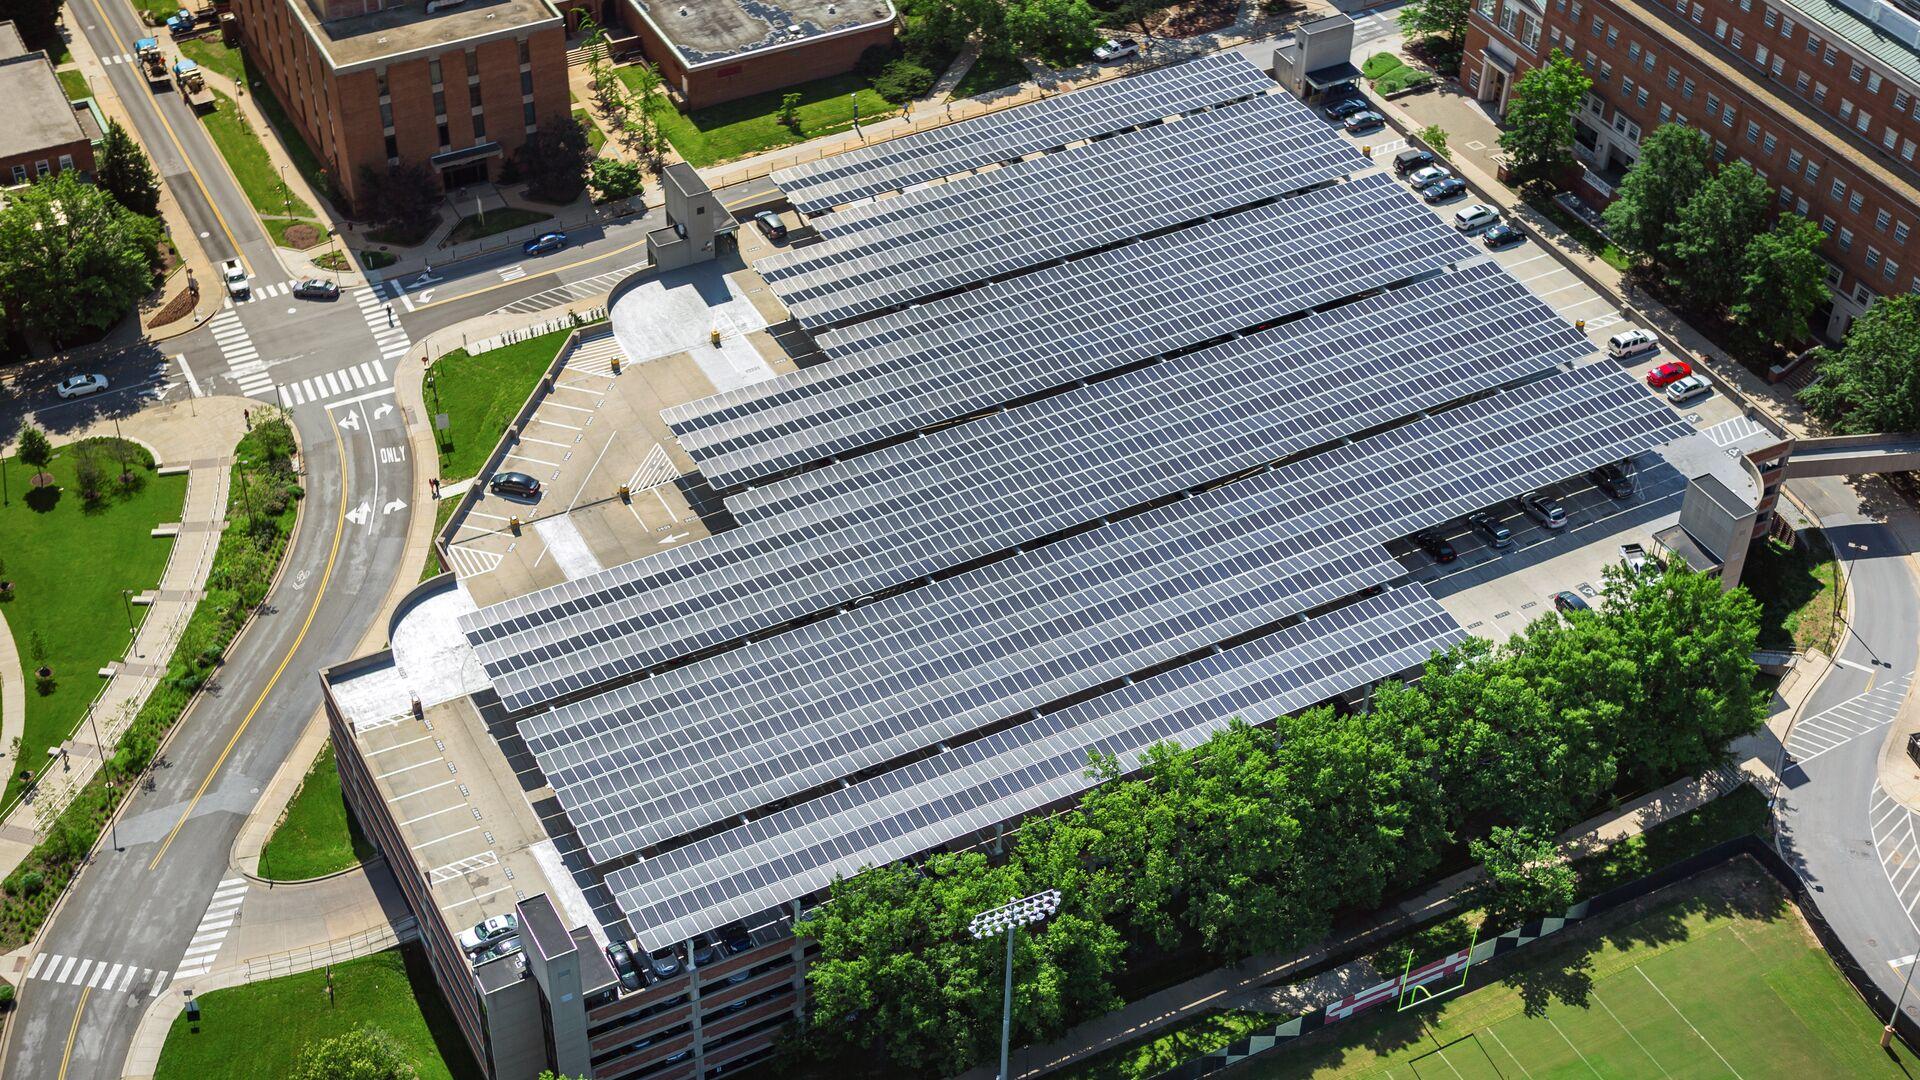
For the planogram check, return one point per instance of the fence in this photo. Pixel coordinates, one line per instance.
(366, 943)
(559, 322)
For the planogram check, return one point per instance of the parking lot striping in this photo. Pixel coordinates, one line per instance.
(545, 442)
(396, 746)
(421, 791)
(475, 898)
(556, 423)
(550, 404)
(535, 460)
(1561, 289)
(410, 768)
(484, 514)
(589, 391)
(436, 813)
(443, 839)
(461, 867)
(1588, 300)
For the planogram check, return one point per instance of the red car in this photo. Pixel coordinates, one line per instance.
(1670, 372)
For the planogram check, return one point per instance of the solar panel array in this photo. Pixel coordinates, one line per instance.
(823, 538)
(689, 748)
(986, 226)
(902, 372)
(1004, 136)
(1042, 762)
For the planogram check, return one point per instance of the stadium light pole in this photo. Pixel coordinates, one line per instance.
(1007, 918)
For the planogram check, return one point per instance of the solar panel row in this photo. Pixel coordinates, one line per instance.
(977, 489)
(1084, 114)
(899, 373)
(1042, 762)
(1059, 206)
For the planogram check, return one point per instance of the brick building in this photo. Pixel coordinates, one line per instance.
(1821, 97)
(43, 133)
(456, 85)
(710, 51)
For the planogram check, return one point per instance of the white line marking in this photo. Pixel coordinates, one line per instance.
(1689, 1023)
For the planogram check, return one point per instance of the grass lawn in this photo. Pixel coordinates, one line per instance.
(1720, 981)
(68, 563)
(1795, 587)
(481, 394)
(277, 229)
(316, 835)
(407, 235)
(232, 63)
(247, 156)
(751, 124)
(595, 137)
(441, 512)
(494, 222)
(75, 84)
(990, 73)
(259, 1029)
(1583, 234)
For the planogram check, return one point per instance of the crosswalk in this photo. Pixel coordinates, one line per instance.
(222, 912)
(102, 975)
(1896, 840)
(257, 291)
(117, 58)
(332, 384)
(1728, 432)
(388, 335)
(244, 365)
(1840, 724)
(568, 293)
(595, 356)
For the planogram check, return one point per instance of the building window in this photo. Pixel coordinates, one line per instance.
(479, 126)
(473, 62)
(1626, 85)
(1786, 197)
(1726, 117)
(1699, 11)
(1713, 104)
(1591, 60)
(19, 174)
(1890, 270)
(1845, 237)
(1855, 71)
(1646, 63)
(1813, 45)
(1800, 82)
(1753, 131)
(473, 94)
(1820, 93)
(1633, 52)
(386, 114)
(526, 82)
(40, 168)
(1768, 145)
(1666, 112)
(1862, 122)
(524, 57)
(1686, 90)
(1673, 78)
(1640, 98)
(1779, 66)
(1739, 40)
(1770, 18)
(1760, 55)
(1873, 256)
(1786, 26)
(1855, 201)
(1864, 296)
(1606, 71)
(528, 109)
(1882, 219)
(1839, 189)
(1830, 57)
(1719, 150)
(1899, 101)
(433, 72)
(1598, 26)
(444, 142)
(439, 103)
(1720, 29)
(1813, 171)
(1800, 206)
(1900, 233)
(380, 81)
(393, 148)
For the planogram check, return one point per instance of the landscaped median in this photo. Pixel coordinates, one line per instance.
(316, 834)
(261, 512)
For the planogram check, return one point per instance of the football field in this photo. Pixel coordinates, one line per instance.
(1722, 981)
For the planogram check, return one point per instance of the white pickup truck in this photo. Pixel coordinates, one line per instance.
(236, 278)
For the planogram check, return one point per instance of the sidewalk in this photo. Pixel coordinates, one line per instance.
(13, 697)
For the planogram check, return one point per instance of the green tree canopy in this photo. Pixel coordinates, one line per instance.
(1785, 281)
(403, 194)
(1706, 249)
(365, 1053)
(123, 170)
(1436, 18)
(613, 179)
(1060, 30)
(553, 161)
(1871, 383)
(1538, 137)
(34, 448)
(1674, 162)
(1525, 876)
(72, 259)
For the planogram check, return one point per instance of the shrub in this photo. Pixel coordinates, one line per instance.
(874, 59)
(6, 996)
(902, 81)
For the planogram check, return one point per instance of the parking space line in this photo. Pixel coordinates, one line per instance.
(600, 393)
(397, 746)
(443, 839)
(555, 423)
(474, 898)
(436, 813)
(535, 460)
(569, 408)
(422, 791)
(410, 768)
(546, 442)
(484, 514)
(1584, 303)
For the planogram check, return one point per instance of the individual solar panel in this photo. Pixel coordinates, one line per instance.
(799, 851)
(1059, 206)
(670, 755)
(909, 370)
(1013, 133)
(976, 489)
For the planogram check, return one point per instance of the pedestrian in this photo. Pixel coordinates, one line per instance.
(389, 316)
(246, 416)
(434, 483)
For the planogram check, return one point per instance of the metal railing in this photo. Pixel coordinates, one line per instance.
(365, 943)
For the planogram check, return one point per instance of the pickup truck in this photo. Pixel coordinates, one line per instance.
(236, 278)
(1634, 556)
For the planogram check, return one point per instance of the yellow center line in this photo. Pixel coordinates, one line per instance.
(339, 527)
(74, 1031)
(184, 159)
(509, 284)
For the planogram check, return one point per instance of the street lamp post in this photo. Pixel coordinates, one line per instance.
(101, 748)
(132, 631)
(1007, 918)
(245, 495)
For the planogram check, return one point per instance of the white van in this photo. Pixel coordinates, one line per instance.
(1631, 343)
(1475, 217)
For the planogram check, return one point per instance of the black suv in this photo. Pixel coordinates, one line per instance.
(1614, 480)
(621, 958)
(1407, 161)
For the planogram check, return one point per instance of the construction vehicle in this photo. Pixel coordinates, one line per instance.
(181, 24)
(152, 60)
(193, 86)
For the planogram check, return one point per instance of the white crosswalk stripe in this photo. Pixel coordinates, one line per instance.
(265, 292)
(513, 273)
(116, 58)
(388, 334)
(568, 293)
(222, 912)
(332, 384)
(244, 365)
(105, 976)
(595, 355)
(1728, 432)
(1840, 724)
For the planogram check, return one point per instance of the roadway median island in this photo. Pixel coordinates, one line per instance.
(316, 834)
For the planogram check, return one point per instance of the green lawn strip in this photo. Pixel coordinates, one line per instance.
(1583, 234)
(480, 395)
(247, 156)
(68, 563)
(1380, 63)
(736, 128)
(234, 65)
(316, 835)
(75, 84)
(159, 9)
(990, 73)
(277, 229)
(442, 512)
(494, 222)
(405, 235)
(595, 137)
(260, 1029)
(1796, 589)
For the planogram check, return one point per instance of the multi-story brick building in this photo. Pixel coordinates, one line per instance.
(718, 50)
(456, 85)
(1821, 96)
(43, 133)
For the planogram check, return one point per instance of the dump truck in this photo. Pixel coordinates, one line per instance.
(152, 60)
(193, 86)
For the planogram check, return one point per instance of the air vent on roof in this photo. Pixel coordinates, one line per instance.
(683, 11)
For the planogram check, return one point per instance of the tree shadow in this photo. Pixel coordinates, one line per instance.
(1541, 985)
(42, 500)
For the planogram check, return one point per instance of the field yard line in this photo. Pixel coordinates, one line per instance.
(1689, 1023)
(1441, 1053)
(1570, 1046)
(1636, 1038)
(1510, 1053)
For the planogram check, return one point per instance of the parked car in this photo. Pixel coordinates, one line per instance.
(1430, 175)
(1544, 509)
(1441, 190)
(1503, 235)
(1490, 527)
(1615, 480)
(235, 277)
(1688, 389)
(487, 931)
(770, 225)
(621, 958)
(1116, 49)
(514, 483)
(1407, 161)
(1472, 219)
(544, 243)
(1435, 545)
(1670, 372)
(506, 946)
(74, 386)
(1364, 121)
(1631, 342)
(1346, 107)
(665, 963)
(316, 289)
(1564, 601)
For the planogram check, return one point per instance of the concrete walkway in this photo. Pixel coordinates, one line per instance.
(13, 696)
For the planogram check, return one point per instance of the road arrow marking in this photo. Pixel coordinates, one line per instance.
(382, 411)
(396, 504)
(359, 514)
(674, 537)
(351, 421)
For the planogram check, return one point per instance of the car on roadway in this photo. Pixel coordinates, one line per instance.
(1116, 49)
(621, 958)
(514, 483)
(1565, 602)
(1435, 545)
(235, 277)
(1497, 535)
(770, 225)
(1364, 121)
(74, 386)
(1472, 219)
(1441, 190)
(1688, 389)
(1428, 176)
(1345, 107)
(544, 243)
(1503, 235)
(1615, 480)
(1668, 373)
(489, 930)
(316, 289)
(1407, 161)
(1544, 509)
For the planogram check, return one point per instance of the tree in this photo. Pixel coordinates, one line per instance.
(1437, 18)
(35, 451)
(72, 259)
(554, 160)
(1706, 248)
(1674, 162)
(1059, 29)
(940, 25)
(903, 80)
(790, 112)
(637, 124)
(38, 22)
(1539, 123)
(1871, 383)
(1435, 137)
(403, 194)
(613, 179)
(1785, 281)
(1525, 877)
(123, 170)
(365, 1053)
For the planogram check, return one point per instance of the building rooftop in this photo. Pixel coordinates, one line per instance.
(400, 30)
(11, 44)
(1880, 29)
(38, 115)
(710, 31)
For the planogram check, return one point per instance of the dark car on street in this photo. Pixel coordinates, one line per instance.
(316, 289)
(544, 243)
(514, 483)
